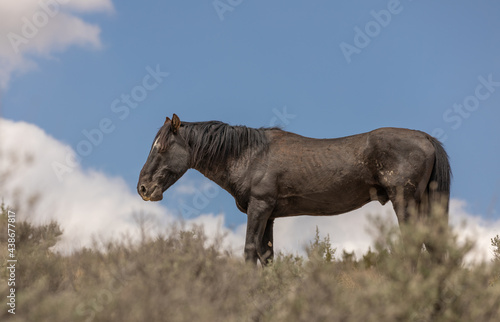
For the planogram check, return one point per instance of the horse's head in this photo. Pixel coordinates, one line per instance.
(168, 160)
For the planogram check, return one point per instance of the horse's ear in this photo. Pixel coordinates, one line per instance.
(176, 123)
(167, 120)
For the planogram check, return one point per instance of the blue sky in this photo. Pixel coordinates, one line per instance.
(265, 59)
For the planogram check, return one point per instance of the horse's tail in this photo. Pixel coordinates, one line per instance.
(438, 188)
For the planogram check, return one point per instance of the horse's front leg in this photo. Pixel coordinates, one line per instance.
(258, 214)
(267, 242)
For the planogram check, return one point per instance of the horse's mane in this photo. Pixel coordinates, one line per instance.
(214, 142)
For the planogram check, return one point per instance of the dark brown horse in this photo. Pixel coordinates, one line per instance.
(272, 173)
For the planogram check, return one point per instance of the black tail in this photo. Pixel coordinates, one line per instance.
(439, 184)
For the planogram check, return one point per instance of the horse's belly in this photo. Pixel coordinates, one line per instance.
(321, 204)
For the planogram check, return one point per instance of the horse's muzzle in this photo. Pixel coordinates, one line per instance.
(152, 194)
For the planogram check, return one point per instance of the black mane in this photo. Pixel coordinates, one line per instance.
(214, 142)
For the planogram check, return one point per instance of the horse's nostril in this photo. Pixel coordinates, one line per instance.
(143, 189)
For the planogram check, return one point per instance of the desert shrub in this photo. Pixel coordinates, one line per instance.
(495, 243)
(320, 249)
(181, 276)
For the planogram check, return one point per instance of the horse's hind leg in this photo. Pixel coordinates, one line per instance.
(419, 227)
(436, 239)
(407, 212)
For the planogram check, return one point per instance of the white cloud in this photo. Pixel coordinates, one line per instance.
(38, 28)
(88, 203)
(85, 203)
(475, 228)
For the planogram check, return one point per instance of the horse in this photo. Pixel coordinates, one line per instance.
(272, 173)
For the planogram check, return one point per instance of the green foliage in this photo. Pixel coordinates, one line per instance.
(180, 276)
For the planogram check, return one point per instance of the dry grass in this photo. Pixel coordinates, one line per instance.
(180, 277)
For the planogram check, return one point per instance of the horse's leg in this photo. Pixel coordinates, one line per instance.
(407, 213)
(412, 214)
(435, 217)
(267, 242)
(258, 214)
(411, 246)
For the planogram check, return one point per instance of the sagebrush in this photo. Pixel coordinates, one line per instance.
(180, 276)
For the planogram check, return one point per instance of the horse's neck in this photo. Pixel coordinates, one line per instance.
(220, 175)
(227, 172)
(217, 174)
